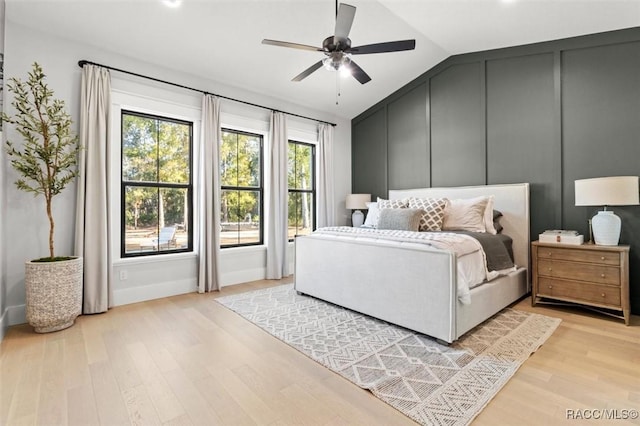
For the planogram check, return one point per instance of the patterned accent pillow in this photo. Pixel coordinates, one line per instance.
(392, 204)
(433, 212)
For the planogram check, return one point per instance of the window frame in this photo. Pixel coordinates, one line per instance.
(159, 185)
(311, 191)
(260, 188)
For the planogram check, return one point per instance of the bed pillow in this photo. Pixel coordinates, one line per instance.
(373, 214)
(488, 217)
(400, 219)
(466, 215)
(391, 204)
(432, 212)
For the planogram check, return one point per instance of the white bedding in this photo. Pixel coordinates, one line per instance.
(471, 259)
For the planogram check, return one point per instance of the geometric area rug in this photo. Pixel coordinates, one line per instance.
(431, 383)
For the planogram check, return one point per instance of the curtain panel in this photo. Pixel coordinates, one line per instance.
(209, 196)
(325, 187)
(277, 206)
(92, 230)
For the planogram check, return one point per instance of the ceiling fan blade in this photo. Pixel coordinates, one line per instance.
(344, 20)
(292, 45)
(358, 73)
(391, 46)
(306, 73)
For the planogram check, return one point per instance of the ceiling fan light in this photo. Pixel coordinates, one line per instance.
(338, 61)
(328, 64)
(345, 70)
(172, 3)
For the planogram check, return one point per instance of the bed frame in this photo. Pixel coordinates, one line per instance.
(411, 285)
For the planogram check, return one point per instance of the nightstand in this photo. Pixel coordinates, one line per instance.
(593, 276)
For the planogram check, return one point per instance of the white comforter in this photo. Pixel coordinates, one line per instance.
(471, 258)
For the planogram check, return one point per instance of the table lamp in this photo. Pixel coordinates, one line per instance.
(607, 191)
(357, 202)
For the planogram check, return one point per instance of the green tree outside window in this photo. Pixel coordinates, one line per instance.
(156, 184)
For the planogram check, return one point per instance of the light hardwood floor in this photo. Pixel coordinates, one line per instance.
(186, 360)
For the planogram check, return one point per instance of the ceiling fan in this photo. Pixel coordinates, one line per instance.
(338, 47)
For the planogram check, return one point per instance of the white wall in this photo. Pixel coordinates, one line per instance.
(24, 225)
(3, 297)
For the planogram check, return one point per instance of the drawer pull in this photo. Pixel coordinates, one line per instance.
(603, 295)
(549, 254)
(549, 269)
(550, 286)
(601, 275)
(601, 257)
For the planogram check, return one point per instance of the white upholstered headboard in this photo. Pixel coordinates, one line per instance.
(511, 199)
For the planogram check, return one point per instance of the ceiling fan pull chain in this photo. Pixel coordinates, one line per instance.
(337, 87)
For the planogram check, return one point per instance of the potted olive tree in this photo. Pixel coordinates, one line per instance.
(46, 163)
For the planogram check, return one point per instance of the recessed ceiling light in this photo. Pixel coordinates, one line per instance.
(172, 3)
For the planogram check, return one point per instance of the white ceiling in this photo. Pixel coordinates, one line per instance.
(221, 39)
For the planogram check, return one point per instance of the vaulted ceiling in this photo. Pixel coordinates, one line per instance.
(221, 39)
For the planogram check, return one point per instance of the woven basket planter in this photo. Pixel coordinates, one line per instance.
(54, 294)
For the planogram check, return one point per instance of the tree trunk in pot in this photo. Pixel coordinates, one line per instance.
(54, 294)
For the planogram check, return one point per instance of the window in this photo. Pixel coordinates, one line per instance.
(156, 185)
(241, 190)
(302, 188)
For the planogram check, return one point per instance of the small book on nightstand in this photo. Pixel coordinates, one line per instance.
(561, 236)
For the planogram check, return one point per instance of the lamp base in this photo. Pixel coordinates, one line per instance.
(357, 219)
(606, 228)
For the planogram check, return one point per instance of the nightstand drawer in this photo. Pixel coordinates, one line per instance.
(575, 291)
(591, 256)
(579, 271)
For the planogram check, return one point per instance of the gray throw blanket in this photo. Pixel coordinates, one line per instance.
(496, 247)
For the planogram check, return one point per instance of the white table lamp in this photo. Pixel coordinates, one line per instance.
(607, 191)
(357, 202)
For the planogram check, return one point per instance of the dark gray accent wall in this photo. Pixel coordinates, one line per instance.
(600, 117)
(457, 127)
(407, 143)
(369, 158)
(521, 142)
(546, 113)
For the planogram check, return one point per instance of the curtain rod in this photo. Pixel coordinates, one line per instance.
(84, 62)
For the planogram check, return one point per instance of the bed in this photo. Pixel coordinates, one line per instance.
(411, 285)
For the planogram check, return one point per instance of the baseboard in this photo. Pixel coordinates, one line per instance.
(243, 276)
(3, 325)
(130, 295)
(13, 315)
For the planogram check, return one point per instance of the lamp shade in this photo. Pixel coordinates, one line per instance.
(357, 201)
(607, 191)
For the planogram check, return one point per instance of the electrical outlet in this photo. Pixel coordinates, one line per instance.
(124, 275)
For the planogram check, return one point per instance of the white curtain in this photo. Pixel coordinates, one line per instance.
(277, 206)
(93, 224)
(325, 196)
(209, 197)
